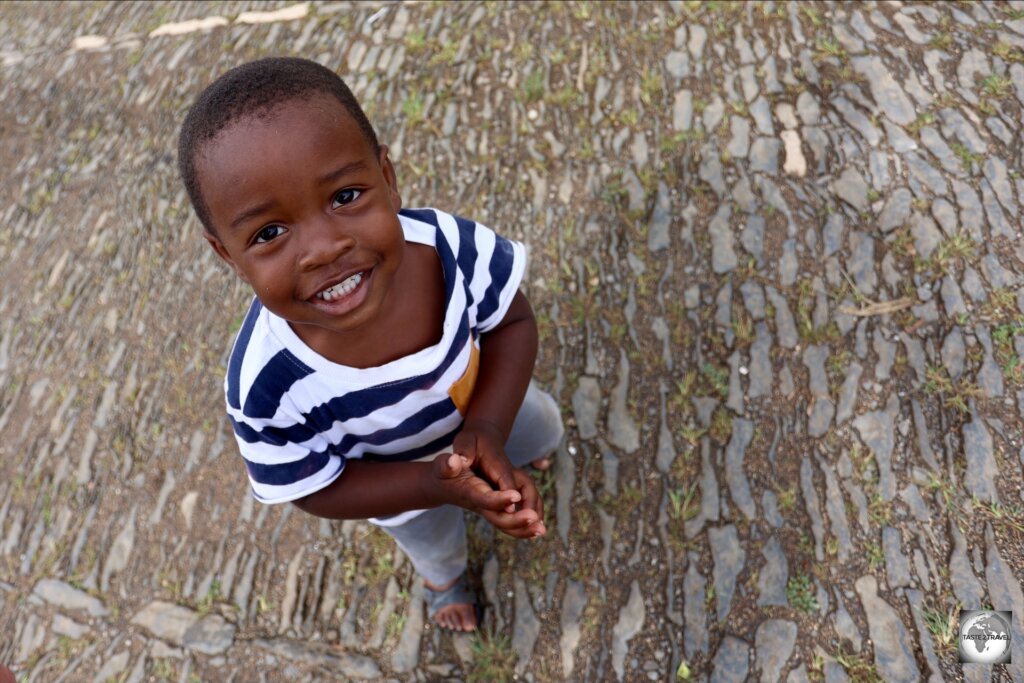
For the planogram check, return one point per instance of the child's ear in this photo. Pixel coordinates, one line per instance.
(222, 252)
(389, 176)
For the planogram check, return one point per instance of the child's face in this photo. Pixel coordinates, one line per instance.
(306, 213)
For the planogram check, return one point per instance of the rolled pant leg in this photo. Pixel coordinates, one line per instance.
(435, 542)
(537, 429)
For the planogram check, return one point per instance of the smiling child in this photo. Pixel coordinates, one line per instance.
(383, 369)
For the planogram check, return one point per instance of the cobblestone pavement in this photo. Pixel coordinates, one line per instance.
(777, 266)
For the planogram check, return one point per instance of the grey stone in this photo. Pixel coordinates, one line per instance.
(836, 509)
(773, 644)
(682, 110)
(833, 235)
(65, 596)
(732, 661)
(798, 675)
(966, 586)
(407, 652)
(120, 551)
(166, 621)
(525, 627)
(982, 468)
(764, 155)
(876, 431)
(846, 629)
(723, 257)
(901, 142)
(622, 430)
(990, 375)
(938, 147)
(774, 575)
(211, 635)
(973, 286)
(848, 393)
(808, 108)
(752, 237)
(735, 399)
(955, 125)
(997, 276)
(736, 478)
(925, 174)
(889, 96)
(861, 264)
(910, 29)
(657, 228)
(973, 63)
(355, 666)
(586, 404)
(65, 626)
(886, 352)
(573, 603)
(761, 110)
(760, 363)
(1006, 594)
(113, 667)
(630, 623)
(894, 655)
(822, 409)
(856, 120)
(952, 299)
(711, 170)
(739, 144)
(896, 210)
(788, 263)
(897, 568)
(713, 113)
(695, 620)
(753, 299)
(997, 221)
(785, 327)
(813, 506)
(927, 237)
(945, 214)
(923, 438)
(835, 673)
(728, 557)
(677, 63)
(769, 503)
(972, 217)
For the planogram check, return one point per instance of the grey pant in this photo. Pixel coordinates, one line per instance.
(435, 540)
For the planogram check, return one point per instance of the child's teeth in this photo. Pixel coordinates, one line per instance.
(342, 288)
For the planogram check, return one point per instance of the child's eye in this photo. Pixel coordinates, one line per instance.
(268, 233)
(346, 196)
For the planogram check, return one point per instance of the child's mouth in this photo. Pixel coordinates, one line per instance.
(343, 288)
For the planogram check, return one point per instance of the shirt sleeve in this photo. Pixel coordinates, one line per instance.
(285, 460)
(493, 268)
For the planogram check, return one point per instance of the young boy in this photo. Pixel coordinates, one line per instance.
(383, 369)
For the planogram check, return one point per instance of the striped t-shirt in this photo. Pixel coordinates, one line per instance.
(298, 416)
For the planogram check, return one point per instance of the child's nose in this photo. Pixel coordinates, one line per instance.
(323, 243)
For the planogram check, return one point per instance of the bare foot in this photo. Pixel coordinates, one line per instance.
(542, 464)
(457, 617)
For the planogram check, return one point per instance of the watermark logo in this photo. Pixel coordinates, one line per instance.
(985, 636)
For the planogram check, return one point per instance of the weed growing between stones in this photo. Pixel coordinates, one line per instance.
(493, 660)
(800, 592)
(942, 625)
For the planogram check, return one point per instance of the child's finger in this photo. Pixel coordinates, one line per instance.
(490, 499)
(531, 496)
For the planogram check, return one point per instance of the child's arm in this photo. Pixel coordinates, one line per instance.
(507, 355)
(369, 489)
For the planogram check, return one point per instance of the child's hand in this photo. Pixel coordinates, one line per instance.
(482, 446)
(464, 488)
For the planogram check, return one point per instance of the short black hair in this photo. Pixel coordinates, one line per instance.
(254, 89)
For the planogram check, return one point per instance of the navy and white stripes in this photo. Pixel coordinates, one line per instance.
(297, 416)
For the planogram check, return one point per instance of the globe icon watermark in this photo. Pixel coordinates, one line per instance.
(985, 636)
